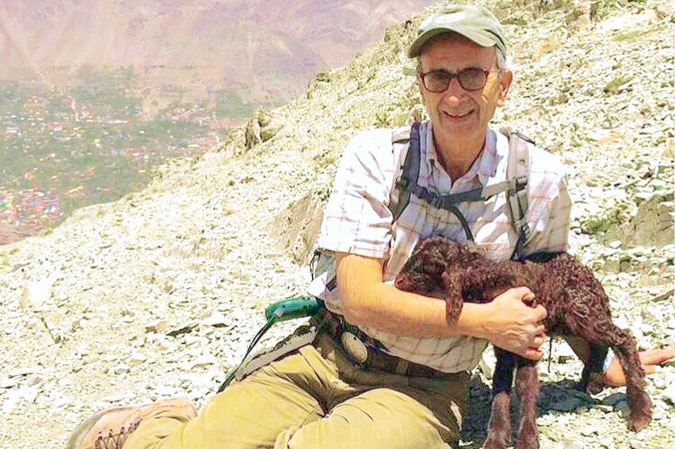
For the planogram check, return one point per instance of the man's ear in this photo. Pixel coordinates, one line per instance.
(504, 85)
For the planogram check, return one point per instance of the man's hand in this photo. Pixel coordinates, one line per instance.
(514, 325)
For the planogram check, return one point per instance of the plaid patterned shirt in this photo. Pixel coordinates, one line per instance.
(357, 220)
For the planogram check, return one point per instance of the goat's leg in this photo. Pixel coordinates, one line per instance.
(527, 388)
(579, 321)
(499, 427)
(592, 377)
(600, 331)
(625, 348)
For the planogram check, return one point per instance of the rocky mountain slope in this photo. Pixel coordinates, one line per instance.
(156, 295)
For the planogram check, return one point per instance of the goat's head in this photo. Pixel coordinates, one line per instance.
(423, 272)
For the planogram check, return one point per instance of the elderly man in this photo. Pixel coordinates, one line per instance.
(386, 369)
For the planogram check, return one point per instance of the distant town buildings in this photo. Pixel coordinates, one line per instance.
(61, 151)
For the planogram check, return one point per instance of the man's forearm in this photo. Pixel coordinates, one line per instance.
(388, 309)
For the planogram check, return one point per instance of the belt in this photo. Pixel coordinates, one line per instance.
(367, 352)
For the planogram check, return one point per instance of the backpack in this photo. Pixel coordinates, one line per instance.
(405, 184)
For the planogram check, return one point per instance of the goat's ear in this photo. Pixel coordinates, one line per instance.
(452, 284)
(447, 281)
(453, 307)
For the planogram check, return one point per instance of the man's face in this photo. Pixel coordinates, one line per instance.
(457, 113)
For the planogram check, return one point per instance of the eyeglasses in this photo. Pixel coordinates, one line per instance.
(437, 81)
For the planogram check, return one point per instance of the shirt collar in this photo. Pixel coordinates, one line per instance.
(484, 167)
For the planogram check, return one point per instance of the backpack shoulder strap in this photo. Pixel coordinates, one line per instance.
(408, 171)
(324, 262)
(517, 169)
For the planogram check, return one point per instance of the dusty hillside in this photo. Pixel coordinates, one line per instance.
(156, 295)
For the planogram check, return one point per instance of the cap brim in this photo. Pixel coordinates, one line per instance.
(484, 39)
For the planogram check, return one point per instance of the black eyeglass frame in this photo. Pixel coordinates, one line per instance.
(423, 77)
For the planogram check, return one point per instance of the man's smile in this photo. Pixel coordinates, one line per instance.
(458, 115)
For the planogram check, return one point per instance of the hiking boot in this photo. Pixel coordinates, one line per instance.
(110, 429)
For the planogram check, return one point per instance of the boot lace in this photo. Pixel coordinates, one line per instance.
(115, 440)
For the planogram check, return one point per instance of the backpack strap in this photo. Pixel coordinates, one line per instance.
(517, 170)
(410, 169)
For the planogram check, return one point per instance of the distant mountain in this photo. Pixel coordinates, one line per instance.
(272, 48)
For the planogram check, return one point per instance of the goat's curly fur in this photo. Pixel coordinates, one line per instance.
(576, 305)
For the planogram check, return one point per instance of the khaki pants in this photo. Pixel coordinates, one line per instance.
(316, 398)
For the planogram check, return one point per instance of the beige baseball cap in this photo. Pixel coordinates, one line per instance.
(471, 21)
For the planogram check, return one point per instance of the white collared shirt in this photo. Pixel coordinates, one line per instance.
(357, 220)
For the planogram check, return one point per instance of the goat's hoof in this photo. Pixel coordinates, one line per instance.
(527, 444)
(596, 384)
(528, 438)
(495, 443)
(638, 421)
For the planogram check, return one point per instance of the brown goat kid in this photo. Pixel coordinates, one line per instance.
(576, 305)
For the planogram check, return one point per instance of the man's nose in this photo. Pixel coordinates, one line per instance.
(454, 93)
